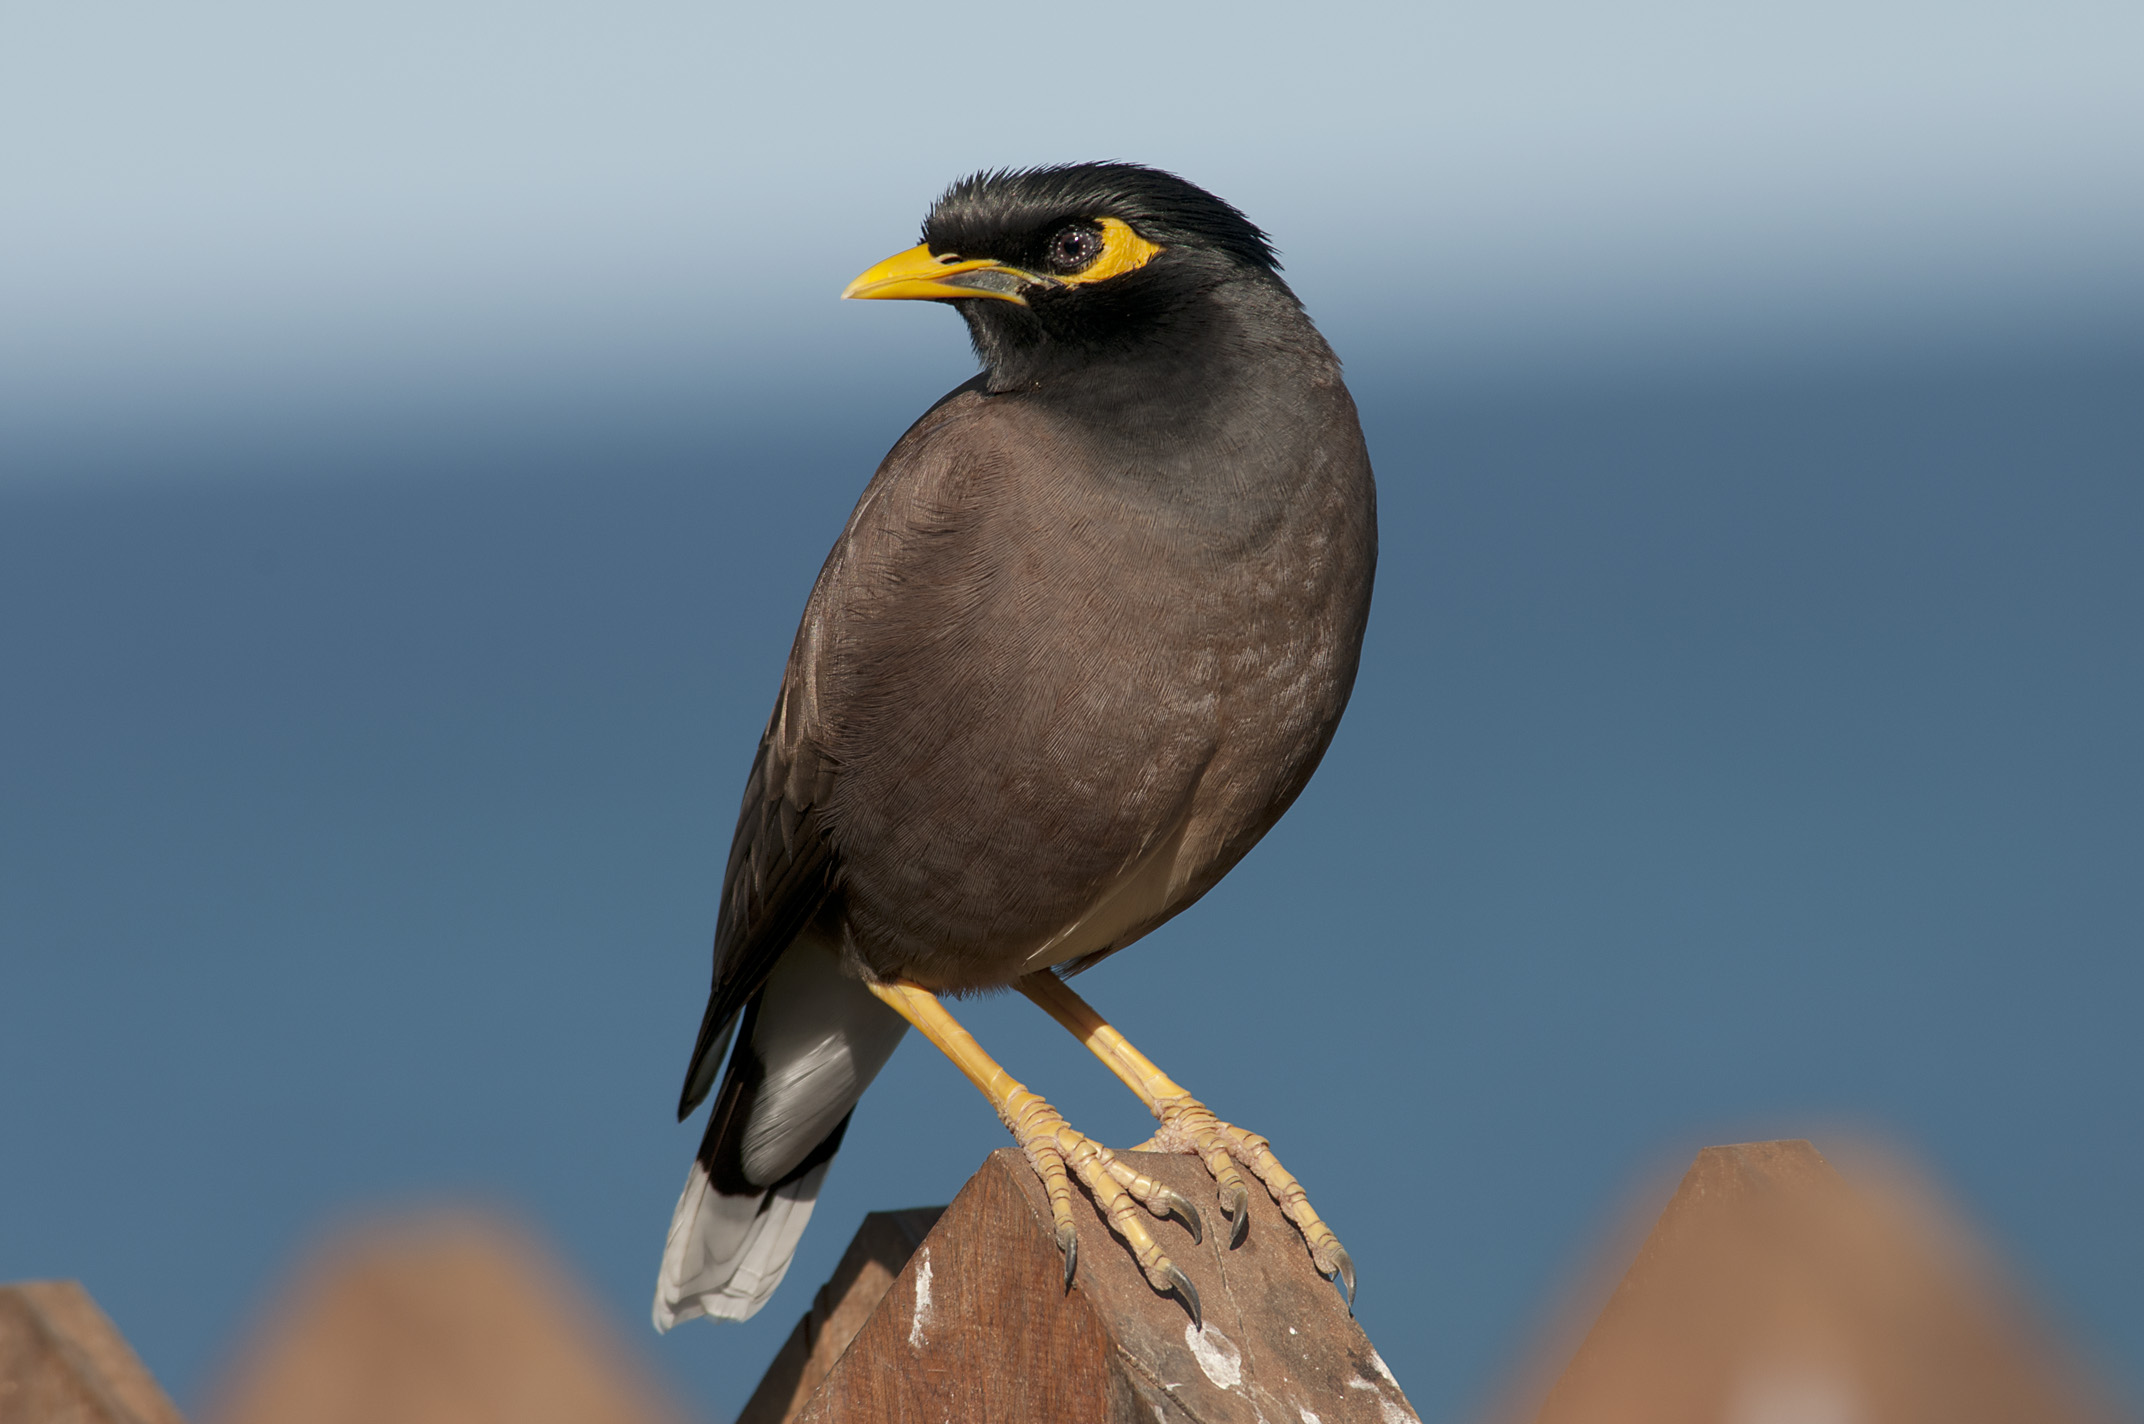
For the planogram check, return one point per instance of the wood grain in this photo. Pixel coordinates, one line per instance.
(880, 1248)
(1773, 1288)
(979, 1326)
(63, 1362)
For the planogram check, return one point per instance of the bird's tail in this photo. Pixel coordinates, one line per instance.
(810, 1042)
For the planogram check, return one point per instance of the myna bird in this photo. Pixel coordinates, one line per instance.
(1086, 636)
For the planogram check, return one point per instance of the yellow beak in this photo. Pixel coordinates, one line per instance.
(921, 275)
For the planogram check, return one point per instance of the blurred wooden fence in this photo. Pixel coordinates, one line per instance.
(1769, 1291)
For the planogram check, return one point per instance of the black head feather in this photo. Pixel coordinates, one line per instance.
(1005, 213)
(1209, 249)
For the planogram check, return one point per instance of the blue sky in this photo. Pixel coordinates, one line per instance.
(212, 201)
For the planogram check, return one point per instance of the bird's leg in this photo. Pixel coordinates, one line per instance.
(1057, 1151)
(1188, 1125)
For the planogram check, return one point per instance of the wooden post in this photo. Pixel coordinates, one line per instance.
(436, 1319)
(880, 1248)
(1771, 1288)
(978, 1328)
(62, 1359)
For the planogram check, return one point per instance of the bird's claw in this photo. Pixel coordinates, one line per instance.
(1186, 1292)
(1062, 1155)
(1236, 1206)
(1175, 1204)
(1189, 1125)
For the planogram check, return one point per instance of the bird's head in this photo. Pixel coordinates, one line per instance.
(1056, 267)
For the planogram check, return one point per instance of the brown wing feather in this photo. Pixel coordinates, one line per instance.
(780, 871)
(782, 866)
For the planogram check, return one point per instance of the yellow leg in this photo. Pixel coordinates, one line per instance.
(1057, 1152)
(1187, 1125)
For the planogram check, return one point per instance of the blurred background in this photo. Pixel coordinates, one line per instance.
(420, 425)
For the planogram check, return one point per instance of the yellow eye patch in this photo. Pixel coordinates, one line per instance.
(920, 273)
(1122, 251)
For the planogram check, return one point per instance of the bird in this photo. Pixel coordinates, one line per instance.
(1085, 637)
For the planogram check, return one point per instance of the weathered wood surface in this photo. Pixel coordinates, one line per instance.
(1771, 1289)
(880, 1248)
(63, 1362)
(978, 1325)
(436, 1320)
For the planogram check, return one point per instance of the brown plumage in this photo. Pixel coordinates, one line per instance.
(1083, 640)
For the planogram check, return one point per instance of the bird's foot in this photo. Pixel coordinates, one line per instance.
(1059, 1152)
(1188, 1125)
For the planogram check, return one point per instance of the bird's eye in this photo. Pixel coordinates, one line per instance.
(1072, 248)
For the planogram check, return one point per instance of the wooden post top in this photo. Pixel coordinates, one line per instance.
(978, 1326)
(61, 1358)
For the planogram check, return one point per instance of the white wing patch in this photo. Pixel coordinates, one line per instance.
(822, 1038)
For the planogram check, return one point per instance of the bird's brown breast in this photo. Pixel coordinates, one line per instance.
(1062, 698)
